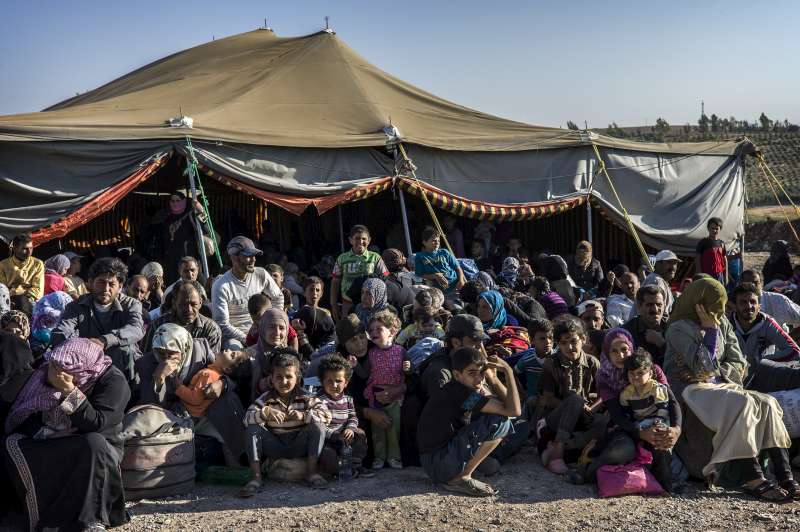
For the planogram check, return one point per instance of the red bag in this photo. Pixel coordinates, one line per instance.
(628, 479)
(515, 339)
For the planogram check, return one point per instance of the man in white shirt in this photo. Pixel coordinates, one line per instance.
(782, 309)
(666, 268)
(232, 290)
(619, 306)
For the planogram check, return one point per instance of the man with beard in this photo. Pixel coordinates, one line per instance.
(105, 316)
(187, 300)
(23, 273)
(782, 309)
(666, 268)
(232, 290)
(649, 326)
(767, 347)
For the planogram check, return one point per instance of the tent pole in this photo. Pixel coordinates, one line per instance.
(341, 228)
(405, 222)
(201, 244)
(590, 184)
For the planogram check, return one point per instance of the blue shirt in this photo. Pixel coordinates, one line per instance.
(440, 261)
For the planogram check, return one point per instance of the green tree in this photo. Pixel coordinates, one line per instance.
(703, 123)
(572, 125)
(661, 128)
(714, 123)
(766, 123)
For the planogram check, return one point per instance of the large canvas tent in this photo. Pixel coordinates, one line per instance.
(306, 122)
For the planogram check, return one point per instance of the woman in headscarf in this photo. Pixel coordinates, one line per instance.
(619, 446)
(154, 273)
(55, 268)
(778, 266)
(273, 333)
(373, 299)
(584, 269)
(178, 234)
(71, 408)
(399, 282)
(509, 273)
(176, 358)
(17, 323)
(705, 368)
(491, 311)
(5, 299)
(46, 316)
(316, 329)
(557, 273)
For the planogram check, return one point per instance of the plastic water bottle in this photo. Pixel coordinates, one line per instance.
(345, 472)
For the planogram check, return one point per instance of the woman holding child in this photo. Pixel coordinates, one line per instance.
(705, 367)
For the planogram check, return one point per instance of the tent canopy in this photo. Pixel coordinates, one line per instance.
(305, 121)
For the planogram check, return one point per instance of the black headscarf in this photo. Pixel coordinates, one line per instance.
(16, 365)
(319, 325)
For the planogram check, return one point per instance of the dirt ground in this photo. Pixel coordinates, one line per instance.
(530, 498)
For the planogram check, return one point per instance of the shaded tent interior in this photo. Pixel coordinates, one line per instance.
(236, 212)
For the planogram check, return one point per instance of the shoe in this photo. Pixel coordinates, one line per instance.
(363, 472)
(394, 463)
(489, 467)
(95, 527)
(377, 463)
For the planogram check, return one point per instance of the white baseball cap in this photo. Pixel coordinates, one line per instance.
(666, 254)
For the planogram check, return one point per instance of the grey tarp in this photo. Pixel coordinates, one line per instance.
(305, 116)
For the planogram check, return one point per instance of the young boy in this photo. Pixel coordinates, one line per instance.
(567, 385)
(334, 374)
(436, 265)
(358, 262)
(530, 365)
(712, 257)
(649, 403)
(312, 292)
(197, 397)
(460, 426)
(276, 272)
(284, 422)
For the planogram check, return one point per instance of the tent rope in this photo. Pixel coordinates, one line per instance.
(191, 168)
(407, 167)
(602, 169)
(761, 166)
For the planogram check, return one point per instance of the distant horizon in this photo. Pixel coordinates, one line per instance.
(537, 63)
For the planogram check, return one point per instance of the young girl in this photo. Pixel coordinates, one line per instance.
(285, 422)
(386, 386)
(568, 386)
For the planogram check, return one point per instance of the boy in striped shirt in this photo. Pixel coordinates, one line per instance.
(334, 374)
(285, 422)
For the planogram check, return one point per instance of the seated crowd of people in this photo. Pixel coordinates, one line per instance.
(377, 360)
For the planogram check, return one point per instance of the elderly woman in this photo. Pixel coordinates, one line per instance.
(55, 268)
(176, 358)
(70, 409)
(705, 368)
(373, 299)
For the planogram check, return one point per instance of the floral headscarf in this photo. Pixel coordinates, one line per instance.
(172, 337)
(611, 379)
(18, 317)
(5, 299)
(510, 271)
(81, 358)
(377, 289)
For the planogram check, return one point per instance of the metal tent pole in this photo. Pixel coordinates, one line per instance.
(201, 244)
(341, 228)
(589, 184)
(405, 222)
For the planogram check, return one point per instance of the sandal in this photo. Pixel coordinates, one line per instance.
(470, 486)
(791, 487)
(250, 489)
(761, 490)
(316, 481)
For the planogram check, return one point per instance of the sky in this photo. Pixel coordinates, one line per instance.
(538, 62)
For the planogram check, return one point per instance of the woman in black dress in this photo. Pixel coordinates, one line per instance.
(62, 448)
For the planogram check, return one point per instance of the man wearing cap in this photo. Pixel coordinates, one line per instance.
(74, 285)
(232, 290)
(592, 315)
(463, 330)
(666, 268)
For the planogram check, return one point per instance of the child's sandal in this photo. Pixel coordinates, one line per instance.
(250, 489)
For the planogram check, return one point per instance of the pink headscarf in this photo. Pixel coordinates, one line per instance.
(81, 358)
(611, 379)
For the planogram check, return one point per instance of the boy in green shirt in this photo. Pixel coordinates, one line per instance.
(358, 262)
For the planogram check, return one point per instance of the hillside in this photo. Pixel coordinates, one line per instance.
(781, 150)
